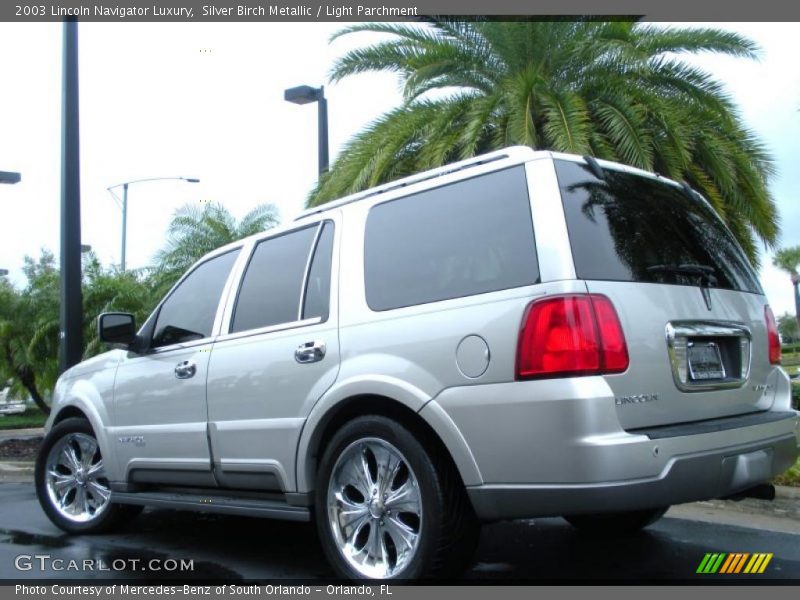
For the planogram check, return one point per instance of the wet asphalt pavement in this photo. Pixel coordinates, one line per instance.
(248, 550)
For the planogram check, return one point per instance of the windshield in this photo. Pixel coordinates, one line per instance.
(629, 227)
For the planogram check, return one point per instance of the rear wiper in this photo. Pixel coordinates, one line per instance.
(705, 272)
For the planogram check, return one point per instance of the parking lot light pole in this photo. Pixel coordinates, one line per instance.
(125, 205)
(71, 314)
(9, 177)
(305, 94)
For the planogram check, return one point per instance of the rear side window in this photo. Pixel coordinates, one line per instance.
(188, 312)
(629, 227)
(272, 284)
(470, 237)
(282, 273)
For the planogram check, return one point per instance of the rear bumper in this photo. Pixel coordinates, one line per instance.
(699, 476)
(555, 447)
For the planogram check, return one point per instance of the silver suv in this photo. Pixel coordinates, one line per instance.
(522, 334)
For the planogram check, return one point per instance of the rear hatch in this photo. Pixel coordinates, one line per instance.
(690, 304)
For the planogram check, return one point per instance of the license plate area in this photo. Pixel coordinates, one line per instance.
(704, 361)
(708, 355)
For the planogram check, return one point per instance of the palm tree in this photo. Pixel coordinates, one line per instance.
(196, 231)
(788, 259)
(614, 90)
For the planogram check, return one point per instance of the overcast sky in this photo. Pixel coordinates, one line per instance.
(206, 101)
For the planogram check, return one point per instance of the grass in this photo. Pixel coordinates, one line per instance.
(791, 477)
(32, 417)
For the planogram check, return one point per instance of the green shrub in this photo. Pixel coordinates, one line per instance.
(33, 417)
(791, 477)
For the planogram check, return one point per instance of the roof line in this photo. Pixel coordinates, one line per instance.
(420, 177)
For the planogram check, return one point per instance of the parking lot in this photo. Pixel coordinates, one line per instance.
(236, 549)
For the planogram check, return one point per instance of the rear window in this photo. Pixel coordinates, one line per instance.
(629, 227)
(466, 238)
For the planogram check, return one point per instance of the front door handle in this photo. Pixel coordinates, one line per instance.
(310, 352)
(185, 370)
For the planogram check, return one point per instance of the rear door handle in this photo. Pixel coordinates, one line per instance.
(185, 370)
(310, 352)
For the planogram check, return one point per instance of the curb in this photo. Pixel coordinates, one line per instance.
(785, 491)
(21, 434)
(17, 467)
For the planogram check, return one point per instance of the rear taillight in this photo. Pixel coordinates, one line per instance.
(774, 341)
(577, 334)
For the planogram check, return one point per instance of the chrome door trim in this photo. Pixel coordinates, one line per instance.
(270, 329)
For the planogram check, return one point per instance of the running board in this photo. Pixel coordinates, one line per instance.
(270, 509)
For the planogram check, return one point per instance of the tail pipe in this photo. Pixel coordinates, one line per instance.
(764, 491)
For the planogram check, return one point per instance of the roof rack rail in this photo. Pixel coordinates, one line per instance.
(412, 179)
(594, 166)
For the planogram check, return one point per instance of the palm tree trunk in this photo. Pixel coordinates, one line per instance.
(796, 283)
(30, 385)
(27, 379)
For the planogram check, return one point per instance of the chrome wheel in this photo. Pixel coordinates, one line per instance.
(76, 482)
(375, 508)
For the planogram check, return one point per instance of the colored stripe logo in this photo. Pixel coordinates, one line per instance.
(734, 563)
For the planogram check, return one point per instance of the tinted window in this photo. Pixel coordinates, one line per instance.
(318, 286)
(188, 313)
(270, 291)
(465, 238)
(629, 227)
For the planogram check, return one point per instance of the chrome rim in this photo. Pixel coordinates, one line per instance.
(76, 480)
(375, 508)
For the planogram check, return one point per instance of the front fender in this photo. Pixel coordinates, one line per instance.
(87, 396)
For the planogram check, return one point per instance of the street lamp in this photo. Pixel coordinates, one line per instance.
(3, 272)
(9, 177)
(125, 204)
(305, 94)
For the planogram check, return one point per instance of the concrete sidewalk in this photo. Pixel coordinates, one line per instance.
(781, 514)
(16, 471)
(21, 434)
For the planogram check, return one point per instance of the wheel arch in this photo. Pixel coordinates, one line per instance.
(82, 401)
(70, 412)
(434, 427)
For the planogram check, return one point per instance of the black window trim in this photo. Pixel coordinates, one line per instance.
(300, 322)
(304, 285)
(220, 305)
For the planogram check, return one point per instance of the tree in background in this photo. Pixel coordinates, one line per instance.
(29, 317)
(29, 320)
(29, 331)
(112, 290)
(789, 328)
(195, 231)
(615, 90)
(788, 260)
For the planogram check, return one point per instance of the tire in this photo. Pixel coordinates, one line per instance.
(69, 468)
(620, 523)
(416, 523)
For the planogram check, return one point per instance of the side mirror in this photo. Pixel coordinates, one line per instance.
(116, 328)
